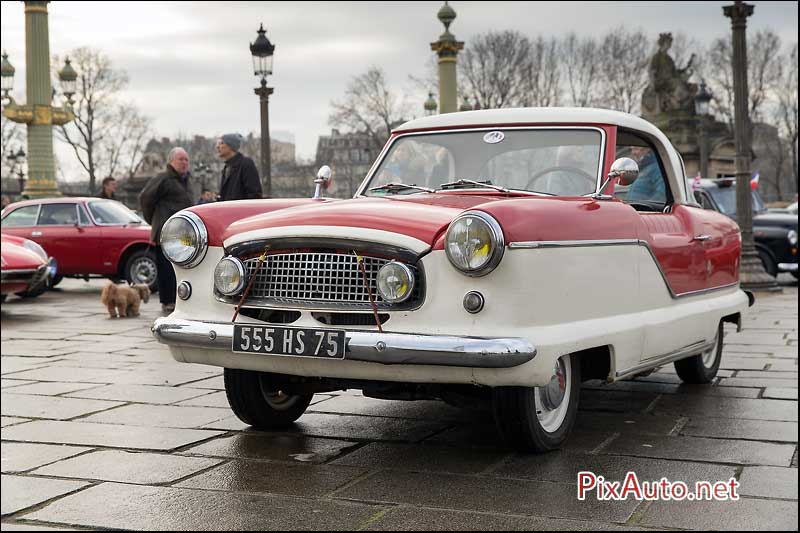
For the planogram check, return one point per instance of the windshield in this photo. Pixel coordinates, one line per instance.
(559, 162)
(111, 212)
(726, 200)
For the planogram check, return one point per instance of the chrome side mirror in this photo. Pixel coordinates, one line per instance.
(624, 168)
(323, 180)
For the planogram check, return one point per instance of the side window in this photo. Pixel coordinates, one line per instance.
(703, 199)
(83, 217)
(24, 216)
(58, 215)
(649, 192)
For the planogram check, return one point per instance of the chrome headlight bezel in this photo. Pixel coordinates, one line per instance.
(409, 274)
(242, 276)
(200, 239)
(497, 243)
(792, 237)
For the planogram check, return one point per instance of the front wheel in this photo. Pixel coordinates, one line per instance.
(702, 368)
(140, 268)
(539, 419)
(254, 401)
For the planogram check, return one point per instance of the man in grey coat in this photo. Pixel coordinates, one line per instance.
(162, 197)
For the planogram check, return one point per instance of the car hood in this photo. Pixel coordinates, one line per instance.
(422, 217)
(784, 220)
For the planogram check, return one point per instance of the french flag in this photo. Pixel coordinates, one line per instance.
(754, 181)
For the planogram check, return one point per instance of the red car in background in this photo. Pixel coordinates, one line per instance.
(25, 267)
(88, 237)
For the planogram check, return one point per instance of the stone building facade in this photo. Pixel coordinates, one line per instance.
(350, 156)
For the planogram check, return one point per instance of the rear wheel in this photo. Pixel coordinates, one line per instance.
(256, 402)
(702, 368)
(140, 268)
(539, 419)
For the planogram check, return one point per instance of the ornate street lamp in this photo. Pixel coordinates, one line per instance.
(38, 113)
(262, 51)
(751, 270)
(17, 160)
(465, 105)
(430, 105)
(69, 80)
(702, 109)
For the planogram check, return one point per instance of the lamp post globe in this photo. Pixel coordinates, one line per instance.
(702, 101)
(430, 105)
(69, 79)
(262, 51)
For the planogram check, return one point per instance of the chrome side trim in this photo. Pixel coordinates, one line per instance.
(681, 353)
(617, 242)
(367, 346)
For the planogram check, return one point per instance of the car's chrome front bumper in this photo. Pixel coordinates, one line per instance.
(385, 348)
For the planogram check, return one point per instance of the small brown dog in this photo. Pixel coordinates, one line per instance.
(124, 299)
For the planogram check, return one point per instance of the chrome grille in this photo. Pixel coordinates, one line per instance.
(319, 277)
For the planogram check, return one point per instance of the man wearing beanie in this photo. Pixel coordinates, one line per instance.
(240, 180)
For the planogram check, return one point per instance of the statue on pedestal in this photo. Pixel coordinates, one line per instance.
(669, 91)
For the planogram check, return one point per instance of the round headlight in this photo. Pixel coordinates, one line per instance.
(474, 243)
(229, 276)
(184, 239)
(395, 282)
(792, 237)
(35, 248)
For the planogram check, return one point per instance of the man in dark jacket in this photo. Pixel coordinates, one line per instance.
(240, 180)
(162, 197)
(108, 189)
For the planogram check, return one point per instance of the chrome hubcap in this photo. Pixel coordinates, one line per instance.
(143, 271)
(552, 400)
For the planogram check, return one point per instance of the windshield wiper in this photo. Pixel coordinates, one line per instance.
(397, 187)
(458, 185)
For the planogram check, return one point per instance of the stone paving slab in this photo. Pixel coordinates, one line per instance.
(780, 393)
(51, 388)
(128, 467)
(139, 393)
(110, 435)
(160, 416)
(769, 482)
(273, 447)
(23, 456)
(30, 406)
(478, 493)
(745, 514)
(731, 428)
(20, 492)
(728, 408)
(164, 508)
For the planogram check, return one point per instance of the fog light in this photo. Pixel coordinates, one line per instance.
(184, 290)
(473, 302)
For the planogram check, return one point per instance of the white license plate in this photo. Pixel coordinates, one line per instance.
(277, 340)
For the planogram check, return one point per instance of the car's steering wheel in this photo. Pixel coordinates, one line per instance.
(575, 177)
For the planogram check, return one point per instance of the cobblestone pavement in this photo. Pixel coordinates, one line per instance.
(102, 429)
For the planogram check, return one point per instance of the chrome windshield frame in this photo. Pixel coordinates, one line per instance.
(387, 148)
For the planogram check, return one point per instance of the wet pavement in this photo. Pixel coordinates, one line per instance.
(101, 428)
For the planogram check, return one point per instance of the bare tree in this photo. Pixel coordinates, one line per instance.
(624, 56)
(786, 110)
(495, 66)
(542, 75)
(107, 136)
(13, 137)
(579, 59)
(763, 73)
(368, 106)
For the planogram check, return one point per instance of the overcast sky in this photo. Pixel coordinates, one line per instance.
(191, 70)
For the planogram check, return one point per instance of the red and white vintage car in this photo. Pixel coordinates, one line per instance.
(25, 266)
(87, 237)
(499, 256)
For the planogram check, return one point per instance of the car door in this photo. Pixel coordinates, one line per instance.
(60, 233)
(21, 221)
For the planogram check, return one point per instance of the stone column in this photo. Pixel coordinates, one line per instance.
(447, 49)
(751, 270)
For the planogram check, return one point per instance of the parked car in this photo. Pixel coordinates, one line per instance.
(88, 237)
(488, 257)
(25, 267)
(775, 233)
